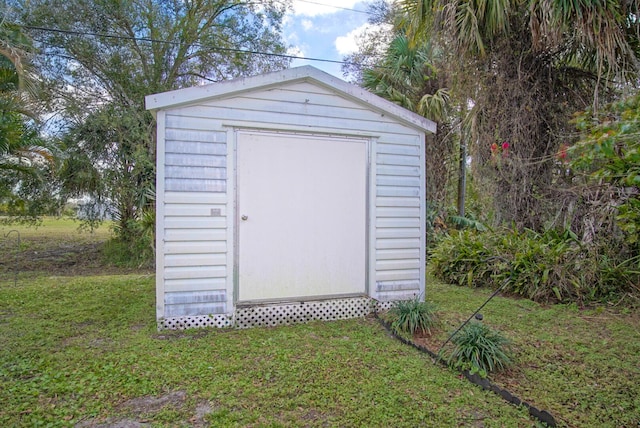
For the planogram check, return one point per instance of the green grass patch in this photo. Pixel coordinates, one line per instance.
(581, 365)
(58, 229)
(85, 349)
(60, 246)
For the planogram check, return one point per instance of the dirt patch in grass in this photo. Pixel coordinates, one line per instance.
(144, 405)
(141, 410)
(57, 248)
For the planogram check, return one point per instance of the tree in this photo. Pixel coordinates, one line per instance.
(608, 153)
(26, 163)
(527, 66)
(408, 77)
(373, 42)
(102, 57)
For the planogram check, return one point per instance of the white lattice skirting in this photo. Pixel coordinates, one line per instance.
(272, 315)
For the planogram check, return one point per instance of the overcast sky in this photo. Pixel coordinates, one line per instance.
(316, 31)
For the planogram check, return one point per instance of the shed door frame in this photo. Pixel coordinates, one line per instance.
(368, 141)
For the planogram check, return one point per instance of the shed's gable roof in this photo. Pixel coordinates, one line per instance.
(225, 89)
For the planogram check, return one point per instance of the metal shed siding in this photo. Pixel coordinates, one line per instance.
(399, 221)
(196, 250)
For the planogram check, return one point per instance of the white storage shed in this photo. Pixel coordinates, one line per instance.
(286, 197)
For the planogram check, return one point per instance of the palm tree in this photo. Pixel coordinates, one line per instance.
(26, 164)
(527, 65)
(18, 139)
(408, 77)
(602, 35)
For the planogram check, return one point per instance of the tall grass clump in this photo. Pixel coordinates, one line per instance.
(412, 316)
(480, 349)
(134, 249)
(554, 266)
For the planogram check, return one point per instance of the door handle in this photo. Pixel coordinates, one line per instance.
(244, 217)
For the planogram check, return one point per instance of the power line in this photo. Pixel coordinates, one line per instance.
(335, 7)
(151, 40)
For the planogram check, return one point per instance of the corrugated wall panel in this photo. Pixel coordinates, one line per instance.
(410, 275)
(195, 185)
(195, 229)
(196, 148)
(385, 159)
(392, 296)
(190, 309)
(192, 235)
(181, 297)
(187, 272)
(194, 284)
(196, 171)
(397, 202)
(398, 181)
(399, 225)
(398, 212)
(410, 171)
(397, 192)
(399, 286)
(196, 247)
(185, 159)
(398, 254)
(194, 198)
(396, 149)
(394, 243)
(192, 222)
(195, 259)
(397, 264)
(397, 222)
(192, 210)
(396, 233)
(195, 136)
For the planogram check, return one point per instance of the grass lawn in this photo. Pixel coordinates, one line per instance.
(80, 348)
(58, 231)
(77, 349)
(56, 246)
(581, 365)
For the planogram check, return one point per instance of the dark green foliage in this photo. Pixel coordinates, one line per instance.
(609, 152)
(27, 161)
(412, 316)
(136, 249)
(466, 223)
(552, 266)
(480, 349)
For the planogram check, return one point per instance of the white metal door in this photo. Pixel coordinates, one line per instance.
(301, 216)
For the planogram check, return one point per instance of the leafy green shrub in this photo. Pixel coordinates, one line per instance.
(480, 349)
(457, 256)
(609, 152)
(412, 316)
(544, 267)
(135, 249)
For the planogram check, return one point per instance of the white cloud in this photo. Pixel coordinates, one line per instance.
(312, 8)
(348, 43)
(307, 24)
(295, 51)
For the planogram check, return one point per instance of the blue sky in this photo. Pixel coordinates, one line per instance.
(316, 31)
